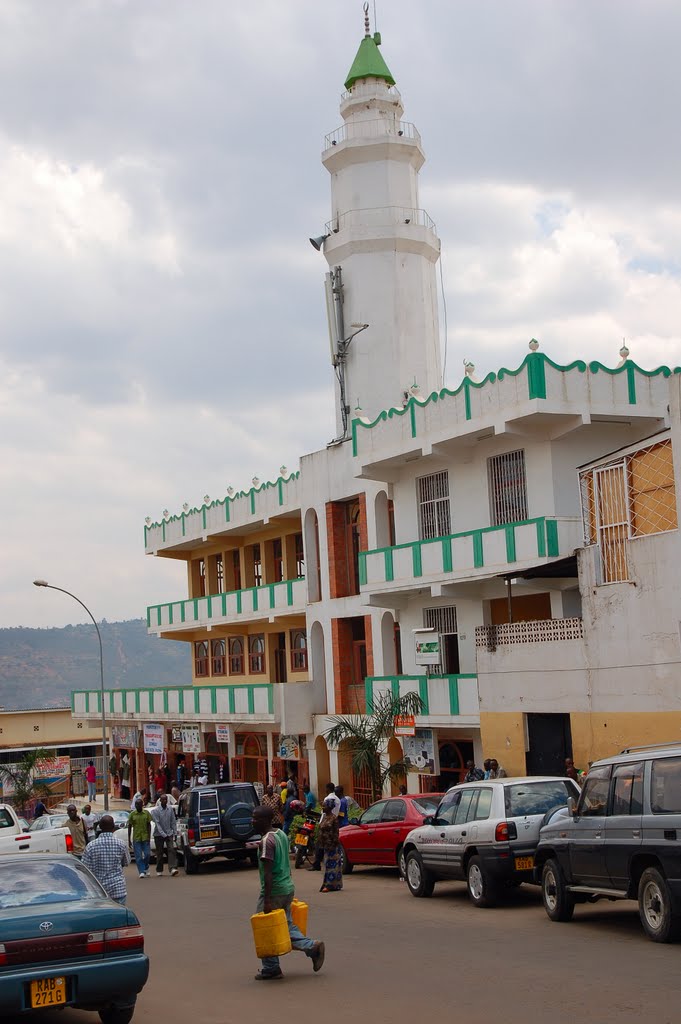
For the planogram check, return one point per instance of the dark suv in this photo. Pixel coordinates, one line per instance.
(621, 841)
(216, 821)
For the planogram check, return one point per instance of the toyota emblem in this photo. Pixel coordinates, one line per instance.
(46, 926)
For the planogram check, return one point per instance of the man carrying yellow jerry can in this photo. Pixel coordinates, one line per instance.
(276, 893)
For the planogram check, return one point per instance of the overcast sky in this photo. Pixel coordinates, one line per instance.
(162, 324)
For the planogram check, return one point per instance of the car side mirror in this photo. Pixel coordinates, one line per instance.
(572, 806)
(429, 819)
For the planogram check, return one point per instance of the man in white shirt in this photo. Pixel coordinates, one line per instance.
(89, 820)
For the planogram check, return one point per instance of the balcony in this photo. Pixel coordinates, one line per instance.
(473, 555)
(247, 605)
(380, 217)
(541, 631)
(261, 703)
(377, 128)
(447, 700)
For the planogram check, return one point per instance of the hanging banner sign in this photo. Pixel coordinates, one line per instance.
(426, 647)
(154, 738)
(422, 751)
(405, 725)
(289, 748)
(191, 739)
(221, 734)
(53, 767)
(124, 735)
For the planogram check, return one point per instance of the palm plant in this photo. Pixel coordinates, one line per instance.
(366, 737)
(20, 778)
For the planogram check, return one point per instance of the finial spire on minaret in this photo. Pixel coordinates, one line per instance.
(367, 27)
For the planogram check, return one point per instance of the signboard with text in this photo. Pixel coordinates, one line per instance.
(222, 734)
(154, 738)
(422, 751)
(191, 739)
(405, 725)
(426, 647)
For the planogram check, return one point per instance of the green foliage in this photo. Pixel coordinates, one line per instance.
(21, 777)
(367, 736)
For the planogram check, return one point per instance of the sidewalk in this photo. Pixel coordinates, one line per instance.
(115, 804)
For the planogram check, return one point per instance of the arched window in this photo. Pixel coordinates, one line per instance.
(256, 654)
(217, 651)
(201, 658)
(236, 656)
(298, 650)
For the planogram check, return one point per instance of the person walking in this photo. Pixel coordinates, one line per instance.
(142, 795)
(330, 845)
(319, 852)
(271, 800)
(91, 778)
(89, 820)
(76, 827)
(106, 857)
(165, 830)
(139, 837)
(277, 892)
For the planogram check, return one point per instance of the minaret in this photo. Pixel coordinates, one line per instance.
(384, 244)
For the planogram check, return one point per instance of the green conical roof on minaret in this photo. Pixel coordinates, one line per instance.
(369, 63)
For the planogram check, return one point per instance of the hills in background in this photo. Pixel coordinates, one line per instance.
(40, 667)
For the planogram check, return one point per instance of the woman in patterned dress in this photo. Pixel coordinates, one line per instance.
(330, 844)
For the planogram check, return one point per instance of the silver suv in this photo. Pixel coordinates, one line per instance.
(484, 833)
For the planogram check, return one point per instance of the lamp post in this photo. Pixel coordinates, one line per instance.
(105, 766)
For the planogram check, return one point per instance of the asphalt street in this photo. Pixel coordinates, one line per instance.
(390, 957)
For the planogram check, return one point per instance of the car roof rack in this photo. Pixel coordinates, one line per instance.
(652, 746)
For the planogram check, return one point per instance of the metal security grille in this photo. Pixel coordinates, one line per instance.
(444, 621)
(434, 514)
(633, 497)
(507, 488)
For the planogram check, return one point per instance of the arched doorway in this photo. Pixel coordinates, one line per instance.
(318, 668)
(388, 646)
(312, 562)
(321, 752)
(385, 520)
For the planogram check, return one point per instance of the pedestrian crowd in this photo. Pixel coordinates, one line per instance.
(491, 769)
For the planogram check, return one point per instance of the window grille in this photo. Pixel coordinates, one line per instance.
(217, 652)
(632, 497)
(507, 488)
(300, 556)
(443, 620)
(201, 658)
(257, 566)
(434, 510)
(236, 656)
(219, 574)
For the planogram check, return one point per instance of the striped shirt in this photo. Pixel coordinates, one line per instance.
(106, 857)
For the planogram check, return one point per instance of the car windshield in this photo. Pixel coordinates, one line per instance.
(31, 884)
(229, 797)
(426, 805)
(534, 797)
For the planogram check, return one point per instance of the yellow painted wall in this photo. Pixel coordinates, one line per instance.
(503, 737)
(51, 727)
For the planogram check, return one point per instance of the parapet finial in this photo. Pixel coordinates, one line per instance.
(367, 28)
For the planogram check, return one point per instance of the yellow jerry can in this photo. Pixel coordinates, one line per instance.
(271, 935)
(299, 915)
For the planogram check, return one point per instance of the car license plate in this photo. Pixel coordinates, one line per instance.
(210, 833)
(301, 839)
(524, 863)
(48, 992)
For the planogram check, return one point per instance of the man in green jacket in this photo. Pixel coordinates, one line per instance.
(276, 892)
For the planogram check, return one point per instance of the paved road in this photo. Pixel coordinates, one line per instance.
(395, 957)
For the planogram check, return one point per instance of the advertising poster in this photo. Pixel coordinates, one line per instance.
(154, 738)
(124, 736)
(221, 734)
(422, 751)
(191, 739)
(426, 647)
(289, 748)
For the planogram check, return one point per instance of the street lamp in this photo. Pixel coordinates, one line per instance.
(105, 768)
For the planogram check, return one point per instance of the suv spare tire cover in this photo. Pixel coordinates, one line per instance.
(238, 821)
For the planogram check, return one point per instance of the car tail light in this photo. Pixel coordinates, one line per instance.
(3, 955)
(95, 943)
(191, 836)
(69, 842)
(504, 831)
(118, 940)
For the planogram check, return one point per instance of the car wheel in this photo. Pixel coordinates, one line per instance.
(655, 907)
(191, 863)
(348, 868)
(559, 904)
(402, 862)
(481, 890)
(117, 1014)
(419, 879)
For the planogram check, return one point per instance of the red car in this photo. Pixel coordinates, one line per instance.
(378, 835)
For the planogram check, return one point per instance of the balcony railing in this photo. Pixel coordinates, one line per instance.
(460, 555)
(374, 129)
(185, 703)
(443, 696)
(380, 216)
(287, 597)
(540, 631)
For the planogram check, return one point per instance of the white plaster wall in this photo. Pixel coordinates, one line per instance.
(543, 677)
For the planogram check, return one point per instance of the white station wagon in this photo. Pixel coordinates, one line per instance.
(484, 833)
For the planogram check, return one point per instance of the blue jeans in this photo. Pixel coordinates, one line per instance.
(142, 850)
(298, 940)
(92, 790)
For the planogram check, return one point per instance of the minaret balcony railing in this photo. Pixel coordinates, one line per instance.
(360, 89)
(379, 128)
(380, 217)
